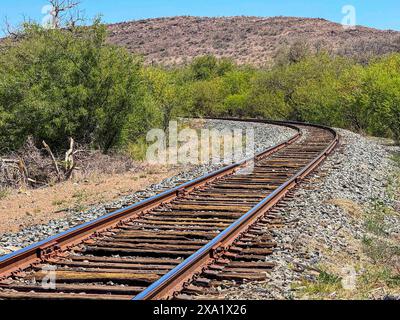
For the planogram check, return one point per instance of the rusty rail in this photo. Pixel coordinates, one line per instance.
(174, 280)
(19, 260)
(164, 244)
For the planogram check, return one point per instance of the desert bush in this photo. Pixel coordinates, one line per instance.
(29, 165)
(33, 166)
(318, 88)
(206, 98)
(56, 84)
(381, 89)
(206, 67)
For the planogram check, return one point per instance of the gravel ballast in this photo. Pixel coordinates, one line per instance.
(265, 136)
(324, 219)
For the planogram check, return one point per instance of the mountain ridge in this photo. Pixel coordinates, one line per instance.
(245, 39)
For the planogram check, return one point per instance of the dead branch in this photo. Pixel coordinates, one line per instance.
(37, 182)
(9, 30)
(9, 160)
(36, 167)
(79, 151)
(69, 159)
(60, 8)
(14, 166)
(23, 170)
(53, 158)
(74, 18)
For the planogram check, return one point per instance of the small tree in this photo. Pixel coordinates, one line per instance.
(206, 67)
(162, 86)
(56, 84)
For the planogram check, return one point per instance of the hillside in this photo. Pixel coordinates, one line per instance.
(245, 39)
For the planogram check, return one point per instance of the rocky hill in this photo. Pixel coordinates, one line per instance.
(252, 40)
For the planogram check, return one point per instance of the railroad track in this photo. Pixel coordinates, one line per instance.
(180, 244)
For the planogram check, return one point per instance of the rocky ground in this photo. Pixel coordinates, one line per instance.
(326, 227)
(265, 136)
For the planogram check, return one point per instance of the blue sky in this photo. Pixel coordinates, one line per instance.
(382, 14)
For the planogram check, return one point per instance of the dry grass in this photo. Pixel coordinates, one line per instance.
(372, 282)
(352, 208)
(34, 168)
(376, 262)
(25, 207)
(4, 192)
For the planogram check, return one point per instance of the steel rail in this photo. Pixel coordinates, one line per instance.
(35, 253)
(174, 280)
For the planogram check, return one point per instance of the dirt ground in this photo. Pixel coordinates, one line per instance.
(22, 208)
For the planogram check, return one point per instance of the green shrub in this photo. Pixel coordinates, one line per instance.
(318, 88)
(56, 84)
(207, 67)
(4, 192)
(328, 278)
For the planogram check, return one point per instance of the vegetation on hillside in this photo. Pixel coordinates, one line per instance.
(246, 40)
(321, 88)
(61, 83)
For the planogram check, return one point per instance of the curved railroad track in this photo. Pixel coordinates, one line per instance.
(180, 244)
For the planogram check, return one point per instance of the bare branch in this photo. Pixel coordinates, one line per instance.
(9, 30)
(74, 18)
(9, 160)
(69, 159)
(24, 171)
(60, 8)
(53, 158)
